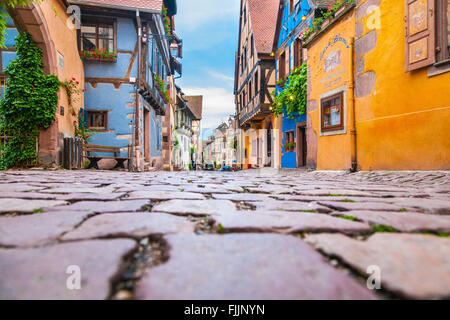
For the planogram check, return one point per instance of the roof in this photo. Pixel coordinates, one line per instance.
(263, 15)
(154, 5)
(195, 103)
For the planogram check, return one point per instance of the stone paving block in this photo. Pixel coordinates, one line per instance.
(411, 265)
(433, 206)
(403, 221)
(165, 195)
(287, 222)
(132, 224)
(105, 206)
(328, 192)
(41, 273)
(37, 229)
(81, 189)
(348, 206)
(18, 187)
(28, 195)
(292, 206)
(242, 197)
(195, 207)
(151, 188)
(26, 206)
(89, 196)
(246, 267)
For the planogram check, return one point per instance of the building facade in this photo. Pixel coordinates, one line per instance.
(293, 19)
(379, 77)
(254, 81)
(126, 97)
(47, 22)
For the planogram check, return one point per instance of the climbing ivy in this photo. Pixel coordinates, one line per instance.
(29, 103)
(292, 99)
(4, 6)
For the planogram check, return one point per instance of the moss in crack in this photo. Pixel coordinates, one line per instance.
(38, 210)
(403, 210)
(351, 218)
(436, 233)
(309, 211)
(383, 228)
(220, 228)
(347, 200)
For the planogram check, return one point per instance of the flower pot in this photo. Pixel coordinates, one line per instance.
(326, 23)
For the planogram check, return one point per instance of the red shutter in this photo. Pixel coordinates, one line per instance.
(419, 34)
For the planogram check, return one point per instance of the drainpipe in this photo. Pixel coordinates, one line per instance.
(138, 86)
(354, 154)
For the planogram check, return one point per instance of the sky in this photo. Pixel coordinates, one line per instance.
(209, 29)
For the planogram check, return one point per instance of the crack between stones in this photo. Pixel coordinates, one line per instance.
(151, 251)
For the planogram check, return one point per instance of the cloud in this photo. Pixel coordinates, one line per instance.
(218, 105)
(221, 76)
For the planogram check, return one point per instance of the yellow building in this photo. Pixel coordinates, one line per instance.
(379, 87)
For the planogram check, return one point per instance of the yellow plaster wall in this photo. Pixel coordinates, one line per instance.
(333, 151)
(403, 123)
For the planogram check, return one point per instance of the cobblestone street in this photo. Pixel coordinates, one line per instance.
(257, 234)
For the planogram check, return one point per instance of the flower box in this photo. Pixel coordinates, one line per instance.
(340, 10)
(326, 23)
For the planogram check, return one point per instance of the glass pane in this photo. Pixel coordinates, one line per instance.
(106, 44)
(332, 112)
(97, 120)
(87, 44)
(105, 32)
(88, 31)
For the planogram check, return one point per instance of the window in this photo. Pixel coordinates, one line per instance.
(282, 66)
(98, 35)
(427, 33)
(252, 46)
(250, 91)
(97, 120)
(297, 53)
(332, 113)
(289, 142)
(291, 6)
(443, 30)
(256, 82)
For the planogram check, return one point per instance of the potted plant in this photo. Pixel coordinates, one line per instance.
(99, 55)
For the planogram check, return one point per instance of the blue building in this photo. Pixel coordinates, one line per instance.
(127, 61)
(294, 17)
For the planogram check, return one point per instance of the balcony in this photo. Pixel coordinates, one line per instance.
(254, 111)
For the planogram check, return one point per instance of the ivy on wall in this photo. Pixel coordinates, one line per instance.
(29, 103)
(292, 99)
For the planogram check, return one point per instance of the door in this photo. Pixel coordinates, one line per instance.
(146, 135)
(301, 146)
(269, 146)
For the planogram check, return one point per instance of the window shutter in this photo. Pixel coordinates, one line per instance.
(419, 34)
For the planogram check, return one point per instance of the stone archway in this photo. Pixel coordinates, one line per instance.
(30, 19)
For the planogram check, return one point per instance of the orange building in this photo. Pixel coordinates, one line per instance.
(379, 87)
(49, 24)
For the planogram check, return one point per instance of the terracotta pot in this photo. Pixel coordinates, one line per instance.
(340, 10)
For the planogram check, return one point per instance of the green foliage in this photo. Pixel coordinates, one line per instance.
(331, 13)
(292, 99)
(9, 4)
(351, 218)
(29, 104)
(347, 200)
(382, 228)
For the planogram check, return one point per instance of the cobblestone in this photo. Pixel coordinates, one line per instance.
(256, 234)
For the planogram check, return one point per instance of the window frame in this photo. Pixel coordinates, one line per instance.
(98, 22)
(287, 139)
(442, 23)
(339, 127)
(89, 124)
